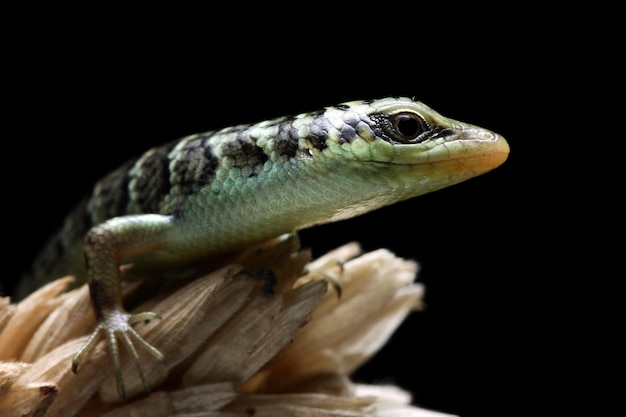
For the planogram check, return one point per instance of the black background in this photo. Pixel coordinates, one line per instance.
(78, 105)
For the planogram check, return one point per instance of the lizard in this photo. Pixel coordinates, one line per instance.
(225, 190)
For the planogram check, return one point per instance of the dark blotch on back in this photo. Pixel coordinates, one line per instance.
(195, 167)
(349, 129)
(347, 134)
(153, 182)
(287, 140)
(244, 151)
(318, 133)
(211, 163)
(112, 198)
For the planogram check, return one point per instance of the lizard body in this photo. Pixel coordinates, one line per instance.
(228, 189)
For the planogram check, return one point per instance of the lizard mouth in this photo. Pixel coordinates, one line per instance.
(477, 150)
(483, 152)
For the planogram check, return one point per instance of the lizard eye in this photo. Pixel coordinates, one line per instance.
(408, 126)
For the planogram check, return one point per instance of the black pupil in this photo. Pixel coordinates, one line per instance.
(407, 125)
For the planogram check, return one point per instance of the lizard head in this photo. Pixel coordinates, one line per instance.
(403, 131)
(379, 152)
(413, 143)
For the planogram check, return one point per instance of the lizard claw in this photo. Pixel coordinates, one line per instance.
(116, 325)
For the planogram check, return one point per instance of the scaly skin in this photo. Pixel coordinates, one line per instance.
(226, 190)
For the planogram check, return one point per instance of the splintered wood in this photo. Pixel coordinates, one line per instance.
(236, 342)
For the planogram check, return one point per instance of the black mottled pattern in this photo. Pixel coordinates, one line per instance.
(151, 180)
(347, 134)
(194, 167)
(159, 181)
(318, 133)
(244, 151)
(349, 130)
(111, 197)
(287, 140)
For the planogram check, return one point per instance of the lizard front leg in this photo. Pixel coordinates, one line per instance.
(105, 246)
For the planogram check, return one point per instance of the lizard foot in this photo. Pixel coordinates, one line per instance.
(117, 325)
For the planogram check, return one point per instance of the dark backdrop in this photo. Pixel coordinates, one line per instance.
(73, 113)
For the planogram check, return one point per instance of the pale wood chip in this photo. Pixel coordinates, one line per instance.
(53, 369)
(6, 311)
(234, 344)
(301, 405)
(27, 317)
(189, 316)
(203, 398)
(158, 404)
(9, 372)
(378, 293)
(31, 400)
(77, 316)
